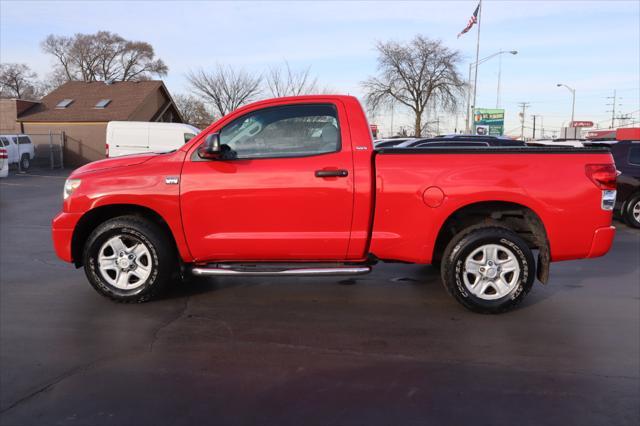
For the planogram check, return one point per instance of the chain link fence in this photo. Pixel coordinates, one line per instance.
(45, 150)
(49, 149)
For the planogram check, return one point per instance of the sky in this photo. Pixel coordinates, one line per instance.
(592, 46)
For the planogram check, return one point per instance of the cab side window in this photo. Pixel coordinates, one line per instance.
(287, 131)
(4, 142)
(634, 155)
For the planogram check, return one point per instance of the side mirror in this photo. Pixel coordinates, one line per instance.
(211, 147)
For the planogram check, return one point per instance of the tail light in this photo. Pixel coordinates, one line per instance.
(604, 176)
(107, 149)
(3, 153)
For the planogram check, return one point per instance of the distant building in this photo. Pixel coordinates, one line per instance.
(10, 109)
(82, 110)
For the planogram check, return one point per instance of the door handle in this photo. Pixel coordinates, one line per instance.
(332, 173)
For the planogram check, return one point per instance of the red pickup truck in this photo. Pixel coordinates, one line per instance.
(293, 186)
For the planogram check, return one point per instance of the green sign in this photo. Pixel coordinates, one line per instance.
(488, 122)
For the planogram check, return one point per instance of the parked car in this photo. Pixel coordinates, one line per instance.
(136, 137)
(292, 186)
(387, 143)
(467, 140)
(19, 149)
(626, 154)
(627, 157)
(4, 163)
(557, 142)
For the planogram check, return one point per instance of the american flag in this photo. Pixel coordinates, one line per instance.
(473, 20)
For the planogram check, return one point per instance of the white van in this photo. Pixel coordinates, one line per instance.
(135, 137)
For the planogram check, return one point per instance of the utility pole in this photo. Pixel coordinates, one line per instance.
(534, 127)
(524, 106)
(613, 109)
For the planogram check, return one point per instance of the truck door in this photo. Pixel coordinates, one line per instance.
(287, 196)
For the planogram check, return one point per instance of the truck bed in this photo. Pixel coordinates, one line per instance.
(417, 190)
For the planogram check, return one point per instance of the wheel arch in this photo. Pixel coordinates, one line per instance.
(516, 217)
(94, 217)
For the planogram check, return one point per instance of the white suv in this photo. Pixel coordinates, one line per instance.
(19, 149)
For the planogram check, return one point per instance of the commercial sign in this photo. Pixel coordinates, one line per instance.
(488, 121)
(581, 124)
(601, 134)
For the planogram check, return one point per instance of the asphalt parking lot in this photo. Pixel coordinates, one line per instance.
(388, 348)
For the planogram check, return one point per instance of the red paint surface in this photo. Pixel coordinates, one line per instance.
(276, 209)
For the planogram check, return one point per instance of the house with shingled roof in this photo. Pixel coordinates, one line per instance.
(81, 111)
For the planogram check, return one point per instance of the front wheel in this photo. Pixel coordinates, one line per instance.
(632, 211)
(488, 270)
(129, 259)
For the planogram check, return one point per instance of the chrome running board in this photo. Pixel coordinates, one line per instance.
(319, 271)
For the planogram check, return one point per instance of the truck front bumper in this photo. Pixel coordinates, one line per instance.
(602, 240)
(62, 228)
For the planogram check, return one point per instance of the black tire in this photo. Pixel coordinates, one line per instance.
(628, 213)
(162, 258)
(25, 162)
(469, 242)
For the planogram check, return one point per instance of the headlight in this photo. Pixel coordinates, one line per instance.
(70, 185)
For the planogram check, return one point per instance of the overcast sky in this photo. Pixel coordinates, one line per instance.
(591, 46)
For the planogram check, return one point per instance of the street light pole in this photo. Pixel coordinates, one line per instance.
(471, 106)
(498, 89)
(573, 99)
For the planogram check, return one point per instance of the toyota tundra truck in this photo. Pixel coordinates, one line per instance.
(293, 187)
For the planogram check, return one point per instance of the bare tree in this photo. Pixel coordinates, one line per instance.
(283, 81)
(52, 81)
(18, 81)
(224, 87)
(415, 74)
(103, 56)
(194, 111)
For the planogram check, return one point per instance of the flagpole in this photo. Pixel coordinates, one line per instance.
(475, 79)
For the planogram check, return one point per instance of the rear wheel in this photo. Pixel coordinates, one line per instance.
(25, 162)
(129, 259)
(632, 211)
(488, 270)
